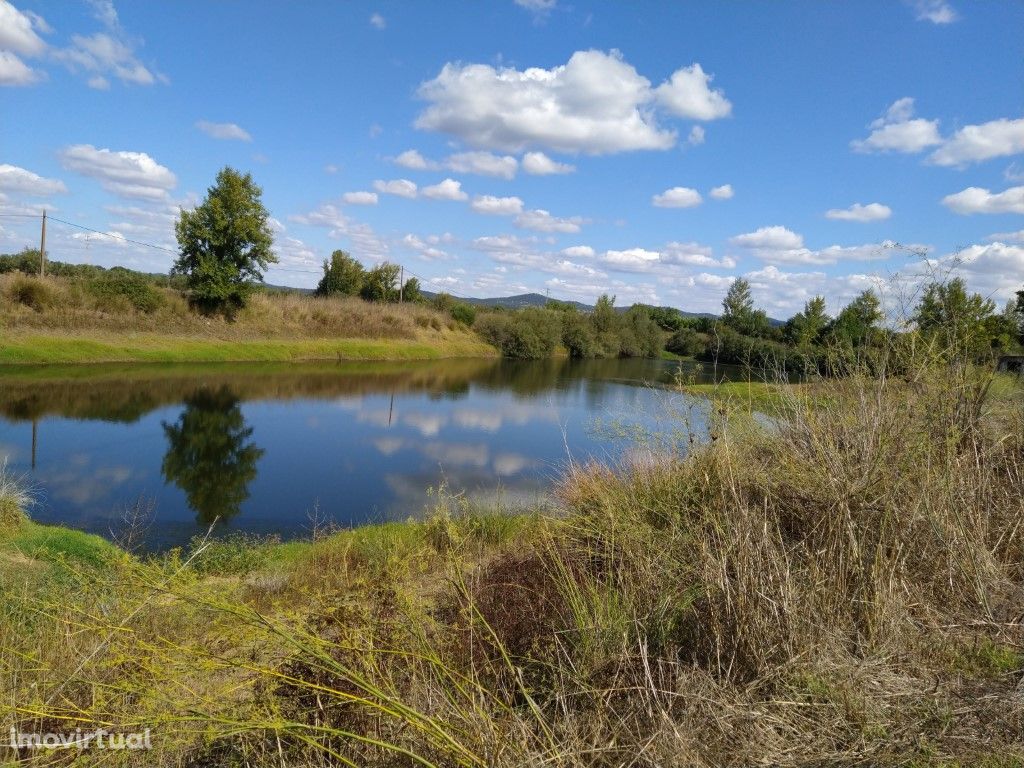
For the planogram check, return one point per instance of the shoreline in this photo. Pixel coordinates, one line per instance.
(50, 349)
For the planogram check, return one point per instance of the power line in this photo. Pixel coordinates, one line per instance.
(114, 235)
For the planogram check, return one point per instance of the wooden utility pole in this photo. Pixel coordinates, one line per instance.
(401, 286)
(42, 247)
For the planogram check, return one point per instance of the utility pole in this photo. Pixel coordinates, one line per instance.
(42, 247)
(401, 286)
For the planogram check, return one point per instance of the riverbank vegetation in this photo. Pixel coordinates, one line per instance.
(842, 586)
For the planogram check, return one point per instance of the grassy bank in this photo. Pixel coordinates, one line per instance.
(841, 588)
(59, 320)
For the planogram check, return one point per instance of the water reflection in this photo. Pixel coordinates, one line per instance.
(261, 446)
(208, 455)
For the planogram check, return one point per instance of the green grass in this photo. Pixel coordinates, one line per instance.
(151, 348)
(58, 545)
(751, 395)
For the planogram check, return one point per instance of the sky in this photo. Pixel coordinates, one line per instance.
(653, 151)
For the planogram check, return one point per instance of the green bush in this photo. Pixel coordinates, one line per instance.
(578, 336)
(33, 292)
(528, 334)
(120, 285)
(463, 313)
(686, 342)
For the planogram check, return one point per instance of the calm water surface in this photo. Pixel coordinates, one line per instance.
(259, 448)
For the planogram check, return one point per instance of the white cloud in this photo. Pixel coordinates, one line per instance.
(694, 255)
(979, 200)
(995, 270)
(860, 213)
(1008, 237)
(127, 174)
(975, 143)
(400, 187)
(18, 37)
(107, 53)
(377, 21)
(696, 137)
(774, 238)
(596, 103)
(424, 249)
(449, 189)
(539, 164)
(331, 168)
(537, 5)
(686, 94)
(107, 238)
(415, 161)
(18, 31)
(14, 71)
(899, 131)
(483, 164)
(20, 180)
(227, 131)
(498, 206)
(677, 197)
(359, 198)
(540, 220)
(935, 11)
(724, 192)
(365, 242)
(578, 252)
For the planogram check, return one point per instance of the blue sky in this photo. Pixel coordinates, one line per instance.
(653, 151)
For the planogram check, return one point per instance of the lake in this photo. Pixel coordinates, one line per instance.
(269, 449)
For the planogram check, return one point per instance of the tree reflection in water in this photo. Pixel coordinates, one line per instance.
(209, 455)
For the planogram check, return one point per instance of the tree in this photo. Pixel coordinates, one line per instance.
(805, 328)
(381, 283)
(225, 243)
(738, 311)
(342, 275)
(858, 321)
(411, 290)
(961, 323)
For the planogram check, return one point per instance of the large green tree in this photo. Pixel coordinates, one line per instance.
(738, 311)
(381, 283)
(805, 328)
(225, 243)
(960, 322)
(858, 322)
(342, 275)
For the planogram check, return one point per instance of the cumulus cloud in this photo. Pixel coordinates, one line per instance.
(723, 192)
(980, 200)
(578, 252)
(774, 238)
(25, 182)
(596, 103)
(778, 245)
(413, 160)
(899, 131)
(539, 164)
(107, 53)
(696, 137)
(19, 37)
(497, 206)
(225, 131)
(688, 94)
(449, 189)
(540, 220)
(377, 21)
(694, 255)
(860, 213)
(365, 242)
(483, 164)
(975, 143)
(359, 198)
(426, 250)
(677, 197)
(995, 269)
(126, 174)
(399, 187)
(935, 11)
(1008, 237)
